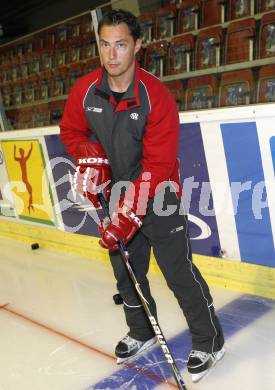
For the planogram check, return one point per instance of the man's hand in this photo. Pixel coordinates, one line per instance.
(123, 226)
(93, 173)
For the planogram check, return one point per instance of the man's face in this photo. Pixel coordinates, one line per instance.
(118, 49)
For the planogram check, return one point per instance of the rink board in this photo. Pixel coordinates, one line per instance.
(227, 164)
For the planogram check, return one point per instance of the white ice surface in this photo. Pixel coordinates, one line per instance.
(67, 339)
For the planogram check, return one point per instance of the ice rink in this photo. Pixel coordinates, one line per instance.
(59, 326)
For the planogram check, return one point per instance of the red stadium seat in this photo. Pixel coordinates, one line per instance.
(201, 93)
(40, 116)
(236, 88)
(7, 95)
(240, 41)
(166, 22)
(26, 117)
(241, 8)
(266, 84)
(156, 58)
(89, 49)
(75, 72)
(87, 27)
(177, 90)
(188, 16)
(45, 79)
(209, 47)
(181, 54)
(267, 35)
(12, 117)
(266, 5)
(59, 83)
(213, 12)
(148, 26)
(16, 94)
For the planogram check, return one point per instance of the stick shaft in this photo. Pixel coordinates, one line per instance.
(155, 325)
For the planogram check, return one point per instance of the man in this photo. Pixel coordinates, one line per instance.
(121, 124)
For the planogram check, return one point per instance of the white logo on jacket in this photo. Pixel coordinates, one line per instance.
(94, 109)
(134, 116)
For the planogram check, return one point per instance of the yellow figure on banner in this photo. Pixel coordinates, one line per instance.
(22, 159)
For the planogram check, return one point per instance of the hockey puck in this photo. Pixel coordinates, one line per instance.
(34, 246)
(118, 299)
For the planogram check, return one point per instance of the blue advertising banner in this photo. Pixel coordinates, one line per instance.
(244, 165)
(197, 196)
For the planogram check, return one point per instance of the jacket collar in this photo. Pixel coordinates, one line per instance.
(131, 97)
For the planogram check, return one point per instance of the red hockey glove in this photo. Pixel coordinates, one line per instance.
(128, 216)
(123, 226)
(93, 173)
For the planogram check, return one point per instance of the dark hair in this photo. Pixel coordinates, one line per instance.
(117, 16)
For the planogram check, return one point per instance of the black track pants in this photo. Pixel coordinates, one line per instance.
(168, 236)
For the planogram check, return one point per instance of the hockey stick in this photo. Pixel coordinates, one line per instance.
(157, 330)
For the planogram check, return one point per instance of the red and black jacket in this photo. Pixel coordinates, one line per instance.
(139, 134)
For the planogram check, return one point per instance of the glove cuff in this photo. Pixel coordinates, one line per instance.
(128, 213)
(134, 218)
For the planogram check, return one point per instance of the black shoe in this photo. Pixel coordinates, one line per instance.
(129, 347)
(199, 363)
